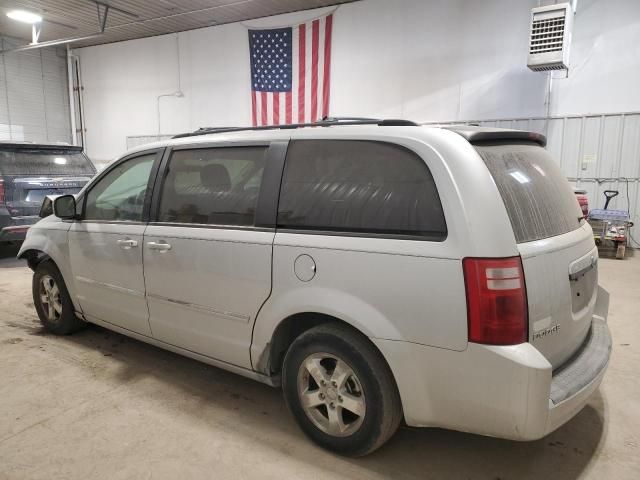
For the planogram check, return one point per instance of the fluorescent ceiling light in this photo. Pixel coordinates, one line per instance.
(24, 16)
(60, 160)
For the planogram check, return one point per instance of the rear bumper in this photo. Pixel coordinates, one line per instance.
(14, 229)
(507, 392)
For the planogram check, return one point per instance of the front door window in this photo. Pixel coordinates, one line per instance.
(120, 194)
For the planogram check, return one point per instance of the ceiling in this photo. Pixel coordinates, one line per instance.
(129, 19)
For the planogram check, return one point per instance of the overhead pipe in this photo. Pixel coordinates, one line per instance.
(72, 106)
(178, 93)
(75, 82)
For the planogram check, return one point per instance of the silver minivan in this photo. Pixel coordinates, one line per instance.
(378, 271)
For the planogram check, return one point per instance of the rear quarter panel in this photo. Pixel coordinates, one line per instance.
(376, 285)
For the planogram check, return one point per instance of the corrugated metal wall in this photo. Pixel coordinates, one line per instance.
(34, 95)
(595, 152)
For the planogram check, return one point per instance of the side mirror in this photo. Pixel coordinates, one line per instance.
(65, 207)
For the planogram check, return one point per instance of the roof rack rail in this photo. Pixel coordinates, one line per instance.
(349, 119)
(326, 122)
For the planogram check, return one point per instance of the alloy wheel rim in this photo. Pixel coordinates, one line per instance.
(50, 298)
(331, 394)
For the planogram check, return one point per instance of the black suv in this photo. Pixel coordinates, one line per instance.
(28, 173)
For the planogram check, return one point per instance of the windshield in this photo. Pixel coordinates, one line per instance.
(539, 200)
(50, 162)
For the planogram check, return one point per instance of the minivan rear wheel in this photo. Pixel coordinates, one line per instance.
(52, 301)
(340, 390)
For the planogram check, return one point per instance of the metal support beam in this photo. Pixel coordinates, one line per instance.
(103, 11)
(115, 9)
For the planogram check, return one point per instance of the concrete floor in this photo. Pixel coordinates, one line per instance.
(100, 405)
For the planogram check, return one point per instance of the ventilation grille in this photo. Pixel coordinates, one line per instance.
(550, 37)
(548, 67)
(547, 35)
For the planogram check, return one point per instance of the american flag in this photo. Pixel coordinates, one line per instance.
(290, 70)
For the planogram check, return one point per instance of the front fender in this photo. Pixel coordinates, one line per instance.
(323, 300)
(50, 236)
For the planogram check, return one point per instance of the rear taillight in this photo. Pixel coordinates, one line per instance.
(1, 192)
(583, 201)
(496, 300)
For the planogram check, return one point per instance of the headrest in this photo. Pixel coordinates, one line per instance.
(215, 177)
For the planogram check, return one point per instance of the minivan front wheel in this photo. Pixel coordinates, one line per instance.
(52, 301)
(340, 390)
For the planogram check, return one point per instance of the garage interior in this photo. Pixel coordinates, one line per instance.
(114, 75)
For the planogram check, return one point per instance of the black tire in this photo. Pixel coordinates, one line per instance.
(64, 322)
(383, 411)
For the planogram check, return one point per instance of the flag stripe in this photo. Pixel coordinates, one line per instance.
(294, 77)
(276, 108)
(307, 72)
(320, 64)
(314, 69)
(327, 65)
(264, 119)
(301, 71)
(254, 118)
(288, 107)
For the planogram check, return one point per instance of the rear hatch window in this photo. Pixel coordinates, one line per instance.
(50, 162)
(539, 200)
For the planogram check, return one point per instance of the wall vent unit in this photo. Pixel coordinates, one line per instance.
(550, 37)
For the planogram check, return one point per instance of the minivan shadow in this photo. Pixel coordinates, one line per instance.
(411, 453)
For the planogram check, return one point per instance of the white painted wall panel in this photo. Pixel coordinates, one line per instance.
(604, 60)
(34, 96)
(630, 158)
(609, 156)
(572, 135)
(554, 132)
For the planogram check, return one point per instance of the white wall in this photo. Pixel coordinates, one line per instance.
(605, 60)
(417, 59)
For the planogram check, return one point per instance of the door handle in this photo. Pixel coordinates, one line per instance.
(127, 243)
(160, 246)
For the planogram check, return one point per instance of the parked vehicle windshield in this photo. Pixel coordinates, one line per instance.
(538, 197)
(49, 162)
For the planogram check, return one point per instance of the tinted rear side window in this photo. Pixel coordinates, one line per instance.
(27, 162)
(538, 198)
(360, 187)
(212, 186)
